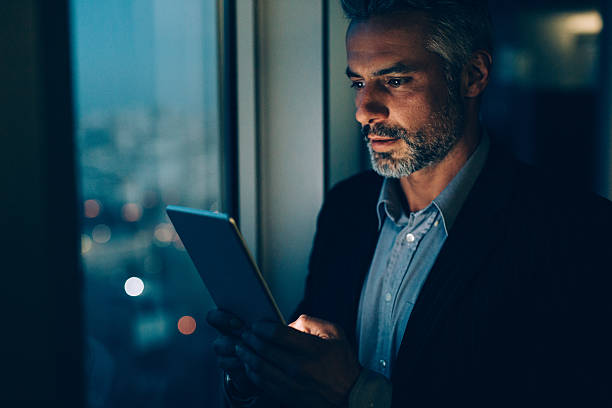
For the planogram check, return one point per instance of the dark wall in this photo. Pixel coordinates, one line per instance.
(41, 314)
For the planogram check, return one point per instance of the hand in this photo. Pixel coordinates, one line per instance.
(230, 327)
(317, 327)
(298, 368)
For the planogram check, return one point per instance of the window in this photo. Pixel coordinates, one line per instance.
(148, 135)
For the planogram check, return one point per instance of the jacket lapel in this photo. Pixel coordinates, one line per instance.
(361, 255)
(473, 236)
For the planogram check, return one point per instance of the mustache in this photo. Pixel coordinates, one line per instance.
(382, 130)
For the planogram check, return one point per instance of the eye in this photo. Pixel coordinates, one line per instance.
(397, 82)
(357, 84)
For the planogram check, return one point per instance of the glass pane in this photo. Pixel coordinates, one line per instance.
(147, 120)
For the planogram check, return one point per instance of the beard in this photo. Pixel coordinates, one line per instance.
(420, 148)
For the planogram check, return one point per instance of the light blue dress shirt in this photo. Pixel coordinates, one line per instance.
(407, 248)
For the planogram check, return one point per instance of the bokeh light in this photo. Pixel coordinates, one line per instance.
(92, 208)
(164, 233)
(131, 212)
(186, 325)
(85, 244)
(134, 286)
(589, 22)
(101, 233)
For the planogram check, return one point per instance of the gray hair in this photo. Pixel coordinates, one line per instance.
(457, 27)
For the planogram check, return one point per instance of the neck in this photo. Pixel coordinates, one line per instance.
(421, 187)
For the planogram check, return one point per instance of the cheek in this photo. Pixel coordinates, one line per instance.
(411, 111)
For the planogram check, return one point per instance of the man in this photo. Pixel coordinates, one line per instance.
(454, 276)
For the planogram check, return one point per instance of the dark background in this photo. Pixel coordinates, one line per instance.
(551, 104)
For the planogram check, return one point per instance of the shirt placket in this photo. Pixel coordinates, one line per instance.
(390, 290)
(407, 242)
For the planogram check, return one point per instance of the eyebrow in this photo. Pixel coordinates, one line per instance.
(399, 68)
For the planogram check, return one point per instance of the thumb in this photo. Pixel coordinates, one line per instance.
(317, 327)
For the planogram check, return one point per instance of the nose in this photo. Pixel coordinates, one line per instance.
(371, 107)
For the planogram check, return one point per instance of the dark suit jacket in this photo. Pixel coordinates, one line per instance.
(517, 308)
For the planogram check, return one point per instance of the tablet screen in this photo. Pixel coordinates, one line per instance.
(224, 263)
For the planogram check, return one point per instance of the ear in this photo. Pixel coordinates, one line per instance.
(475, 75)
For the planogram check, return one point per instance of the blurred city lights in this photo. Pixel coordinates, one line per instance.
(134, 286)
(101, 233)
(92, 208)
(186, 325)
(131, 212)
(85, 244)
(164, 233)
(589, 22)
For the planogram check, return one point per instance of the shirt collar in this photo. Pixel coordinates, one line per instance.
(390, 201)
(449, 201)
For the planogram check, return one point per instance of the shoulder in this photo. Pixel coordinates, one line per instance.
(536, 201)
(364, 186)
(542, 190)
(556, 220)
(533, 186)
(352, 199)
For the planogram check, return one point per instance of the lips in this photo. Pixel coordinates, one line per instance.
(381, 144)
(381, 139)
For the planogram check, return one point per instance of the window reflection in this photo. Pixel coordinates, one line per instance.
(148, 136)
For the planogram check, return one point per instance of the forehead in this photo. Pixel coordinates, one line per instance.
(382, 40)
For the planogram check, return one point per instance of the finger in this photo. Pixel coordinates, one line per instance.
(270, 389)
(288, 362)
(223, 321)
(225, 346)
(230, 364)
(317, 327)
(288, 392)
(287, 337)
(268, 378)
(242, 383)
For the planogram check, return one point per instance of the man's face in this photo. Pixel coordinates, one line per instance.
(404, 105)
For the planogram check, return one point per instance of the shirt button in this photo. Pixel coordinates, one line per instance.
(436, 223)
(388, 297)
(383, 363)
(409, 237)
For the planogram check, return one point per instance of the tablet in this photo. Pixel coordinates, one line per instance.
(224, 263)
